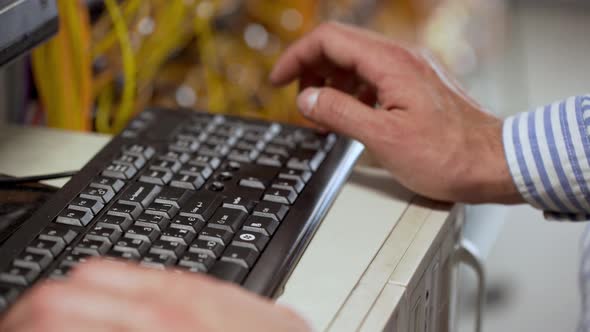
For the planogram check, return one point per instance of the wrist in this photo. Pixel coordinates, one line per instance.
(486, 172)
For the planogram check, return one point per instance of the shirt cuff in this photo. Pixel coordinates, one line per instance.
(548, 154)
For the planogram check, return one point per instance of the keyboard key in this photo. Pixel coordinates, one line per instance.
(276, 150)
(189, 223)
(92, 247)
(273, 160)
(294, 174)
(19, 275)
(162, 209)
(7, 296)
(136, 246)
(307, 161)
(148, 234)
(329, 141)
(46, 247)
(257, 136)
(213, 150)
(140, 150)
(184, 145)
(228, 219)
(232, 166)
(284, 141)
(229, 272)
(156, 221)
(283, 196)
(196, 170)
(199, 261)
(183, 236)
(211, 248)
(254, 240)
(181, 157)
(73, 217)
(272, 210)
(252, 182)
(141, 194)
(135, 160)
(159, 261)
(101, 233)
(250, 145)
(173, 248)
(239, 202)
(202, 160)
(75, 258)
(216, 235)
(121, 223)
(60, 272)
(287, 184)
(216, 186)
(174, 196)
(263, 225)
(313, 144)
(33, 260)
(156, 176)
(224, 176)
(123, 255)
(100, 194)
(230, 130)
(165, 165)
(244, 156)
(214, 140)
(201, 205)
(126, 210)
(119, 171)
(184, 181)
(191, 134)
(240, 255)
(91, 205)
(107, 183)
(52, 233)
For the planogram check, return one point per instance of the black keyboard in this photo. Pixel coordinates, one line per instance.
(235, 198)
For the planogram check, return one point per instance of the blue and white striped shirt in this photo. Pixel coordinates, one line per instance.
(548, 154)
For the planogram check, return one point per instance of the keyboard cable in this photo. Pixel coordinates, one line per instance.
(8, 180)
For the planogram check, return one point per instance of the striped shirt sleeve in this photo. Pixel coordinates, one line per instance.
(548, 154)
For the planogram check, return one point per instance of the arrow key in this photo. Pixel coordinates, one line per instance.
(240, 255)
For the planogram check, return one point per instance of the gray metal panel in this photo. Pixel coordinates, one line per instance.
(24, 24)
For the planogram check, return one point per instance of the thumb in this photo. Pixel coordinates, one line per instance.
(338, 111)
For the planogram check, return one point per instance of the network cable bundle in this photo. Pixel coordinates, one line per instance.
(113, 58)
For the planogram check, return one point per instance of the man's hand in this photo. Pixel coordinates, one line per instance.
(425, 130)
(112, 296)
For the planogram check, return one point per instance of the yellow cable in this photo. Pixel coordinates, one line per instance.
(76, 20)
(206, 44)
(107, 42)
(157, 47)
(40, 70)
(105, 102)
(126, 106)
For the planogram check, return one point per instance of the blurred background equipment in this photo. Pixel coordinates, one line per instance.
(24, 24)
(113, 58)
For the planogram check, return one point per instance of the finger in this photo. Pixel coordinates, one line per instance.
(54, 304)
(133, 280)
(339, 112)
(346, 47)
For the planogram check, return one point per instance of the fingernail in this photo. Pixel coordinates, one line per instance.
(307, 99)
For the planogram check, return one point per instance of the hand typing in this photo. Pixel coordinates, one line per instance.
(425, 130)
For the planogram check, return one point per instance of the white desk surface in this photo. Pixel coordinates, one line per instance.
(356, 267)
